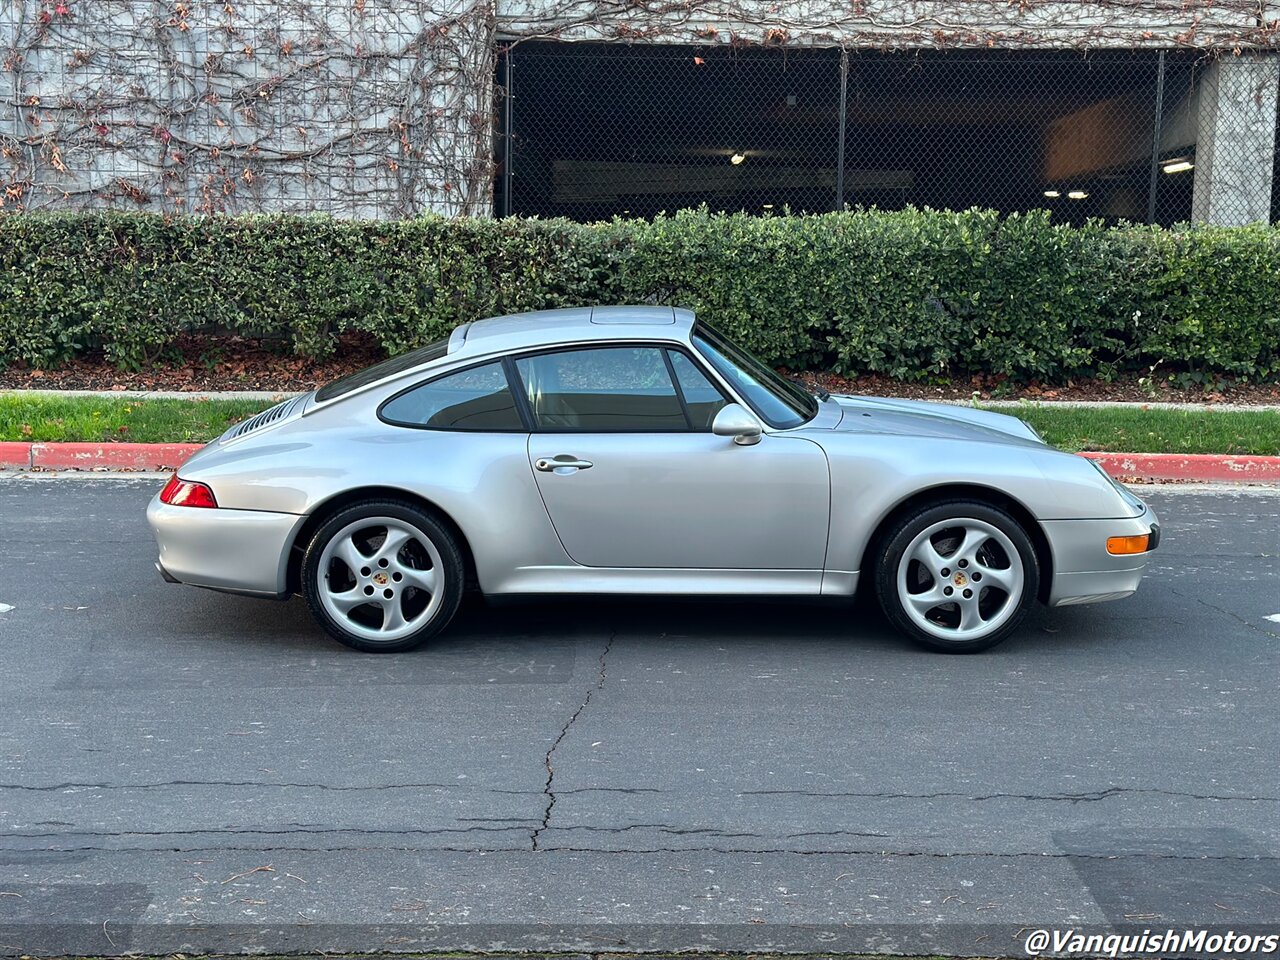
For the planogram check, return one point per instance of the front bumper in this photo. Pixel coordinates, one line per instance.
(243, 551)
(1083, 571)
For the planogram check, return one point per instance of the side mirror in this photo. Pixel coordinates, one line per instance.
(734, 420)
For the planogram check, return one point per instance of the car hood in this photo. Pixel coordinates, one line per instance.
(918, 418)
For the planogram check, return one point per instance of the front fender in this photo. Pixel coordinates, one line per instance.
(873, 475)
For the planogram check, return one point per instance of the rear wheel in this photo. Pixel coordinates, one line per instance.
(957, 576)
(382, 576)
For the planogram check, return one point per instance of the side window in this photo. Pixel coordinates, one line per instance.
(604, 389)
(475, 399)
(700, 395)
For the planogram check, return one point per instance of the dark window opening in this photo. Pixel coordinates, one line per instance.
(602, 130)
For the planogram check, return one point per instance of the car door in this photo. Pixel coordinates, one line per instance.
(632, 476)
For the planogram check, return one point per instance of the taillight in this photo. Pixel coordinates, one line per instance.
(186, 493)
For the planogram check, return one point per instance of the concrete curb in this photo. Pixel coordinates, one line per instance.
(1202, 468)
(1014, 405)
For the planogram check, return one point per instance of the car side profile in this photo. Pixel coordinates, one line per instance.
(637, 450)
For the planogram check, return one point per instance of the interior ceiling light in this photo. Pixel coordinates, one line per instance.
(737, 158)
(1053, 194)
(1078, 194)
(1179, 166)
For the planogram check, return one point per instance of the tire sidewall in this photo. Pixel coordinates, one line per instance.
(444, 542)
(899, 538)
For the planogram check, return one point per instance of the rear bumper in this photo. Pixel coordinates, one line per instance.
(1083, 571)
(242, 551)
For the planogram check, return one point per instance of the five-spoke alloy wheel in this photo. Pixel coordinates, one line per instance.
(957, 576)
(382, 576)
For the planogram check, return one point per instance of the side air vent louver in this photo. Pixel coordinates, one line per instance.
(269, 416)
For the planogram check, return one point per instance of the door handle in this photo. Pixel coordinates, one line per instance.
(563, 460)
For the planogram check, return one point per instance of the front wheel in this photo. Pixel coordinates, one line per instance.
(957, 576)
(382, 576)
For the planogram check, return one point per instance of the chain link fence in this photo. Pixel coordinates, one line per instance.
(592, 130)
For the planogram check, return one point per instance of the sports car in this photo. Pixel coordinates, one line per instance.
(638, 450)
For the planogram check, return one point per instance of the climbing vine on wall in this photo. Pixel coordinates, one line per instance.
(1213, 25)
(366, 108)
(385, 108)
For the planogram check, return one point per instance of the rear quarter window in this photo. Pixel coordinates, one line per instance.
(478, 398)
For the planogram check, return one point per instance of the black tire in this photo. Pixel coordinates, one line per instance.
(451, 575)
(897, 539)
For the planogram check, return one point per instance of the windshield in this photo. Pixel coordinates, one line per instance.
(387, 368)
(781, 403)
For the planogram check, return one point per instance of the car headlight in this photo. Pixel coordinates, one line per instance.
(1135, 503)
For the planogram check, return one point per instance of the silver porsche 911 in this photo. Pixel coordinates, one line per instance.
(636, 450)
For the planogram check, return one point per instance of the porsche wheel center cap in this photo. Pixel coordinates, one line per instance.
(960, 580)
(381, 579)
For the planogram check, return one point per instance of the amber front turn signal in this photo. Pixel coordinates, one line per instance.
(1123, 545)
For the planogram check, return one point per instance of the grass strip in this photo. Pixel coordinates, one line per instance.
(1132, 429)
(49, 418)
(45, 417)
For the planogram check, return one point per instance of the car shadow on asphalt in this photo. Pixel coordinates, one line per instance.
(231, 621)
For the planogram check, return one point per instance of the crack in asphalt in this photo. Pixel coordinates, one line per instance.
(1235, 616)
(1085, 797)
(160, 785)
(548, 789)
(716, 832)
(1093, 796)
(267, 832)
(333, 788)
(879, 855)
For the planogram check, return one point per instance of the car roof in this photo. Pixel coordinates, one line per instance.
(541, 328)
(571, 325)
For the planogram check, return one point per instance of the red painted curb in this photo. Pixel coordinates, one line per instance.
(111, 456)
(15, 455)
(1205, 467)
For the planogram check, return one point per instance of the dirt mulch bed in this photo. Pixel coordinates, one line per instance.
(200, 364)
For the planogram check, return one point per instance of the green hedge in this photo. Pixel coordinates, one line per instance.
(914, 294)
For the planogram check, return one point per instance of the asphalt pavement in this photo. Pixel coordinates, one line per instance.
(184, 771)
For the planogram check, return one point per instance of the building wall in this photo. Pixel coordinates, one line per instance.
(896, 24)
(385, 108)
(360, 108)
